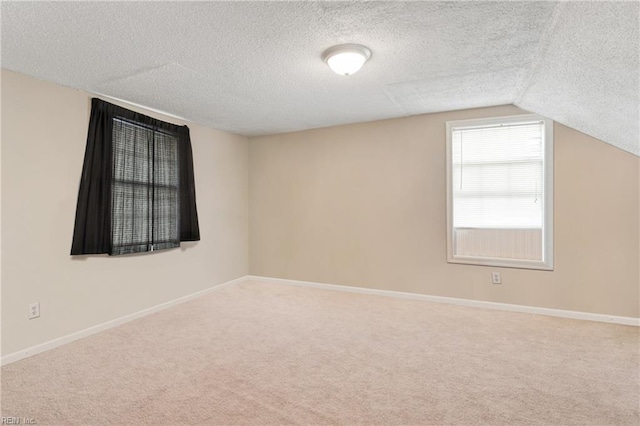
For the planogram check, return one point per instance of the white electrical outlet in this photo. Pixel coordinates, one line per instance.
(34, 310)
(495, 278)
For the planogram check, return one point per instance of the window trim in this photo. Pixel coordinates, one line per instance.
(547, 220)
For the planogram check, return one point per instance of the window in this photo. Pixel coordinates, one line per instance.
(144, 189)
(500, 192)
(137, 190)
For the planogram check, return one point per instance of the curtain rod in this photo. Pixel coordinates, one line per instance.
(142, 106)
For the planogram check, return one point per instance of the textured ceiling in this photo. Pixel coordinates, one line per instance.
(254, 68)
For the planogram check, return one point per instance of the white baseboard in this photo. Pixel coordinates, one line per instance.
(464, 302)
(42, 347)
(51, 344)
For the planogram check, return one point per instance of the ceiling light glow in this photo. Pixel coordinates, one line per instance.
(346, 59)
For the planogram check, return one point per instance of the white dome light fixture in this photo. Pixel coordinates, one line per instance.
(346, 59)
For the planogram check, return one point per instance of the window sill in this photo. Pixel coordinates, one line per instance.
(502, 263)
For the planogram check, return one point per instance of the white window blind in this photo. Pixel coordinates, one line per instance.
(498, 191)
(497, 176)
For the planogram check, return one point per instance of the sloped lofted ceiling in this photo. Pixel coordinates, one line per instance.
(254, 68)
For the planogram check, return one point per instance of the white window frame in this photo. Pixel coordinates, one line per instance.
(547, 220)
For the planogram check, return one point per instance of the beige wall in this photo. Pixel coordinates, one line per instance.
(44, 130)
(360, 205)
(364, 205)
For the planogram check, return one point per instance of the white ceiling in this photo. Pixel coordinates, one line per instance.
(254, 68)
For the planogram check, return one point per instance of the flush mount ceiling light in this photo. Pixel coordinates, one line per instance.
(346, 59)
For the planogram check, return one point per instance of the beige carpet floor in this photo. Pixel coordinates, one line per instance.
(268, 354)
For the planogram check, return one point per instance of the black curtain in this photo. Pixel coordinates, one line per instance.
(189, 230)
(105, 169)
